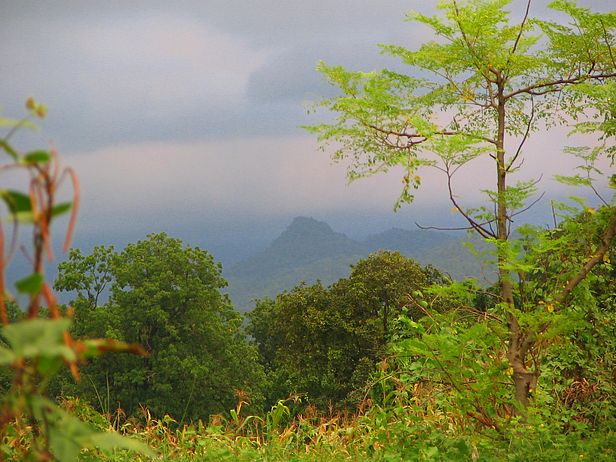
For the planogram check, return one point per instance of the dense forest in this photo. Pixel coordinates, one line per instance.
(394, 361)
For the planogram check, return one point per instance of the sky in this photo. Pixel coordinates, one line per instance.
(184, 116)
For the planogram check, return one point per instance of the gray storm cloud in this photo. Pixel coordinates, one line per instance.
(118, 71)
(193, 107)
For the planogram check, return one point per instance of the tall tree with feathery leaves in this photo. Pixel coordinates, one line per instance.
(493, 82)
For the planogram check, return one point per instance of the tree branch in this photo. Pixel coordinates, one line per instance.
(468, 43)
(528, 127)
(531, 89)
(422, 138)
(606, 240)
(528, 207)
(481, 230)
(521, 31)
(607, 43)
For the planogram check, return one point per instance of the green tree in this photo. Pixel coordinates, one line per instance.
(325, 342)
(383, 282)
(89, 276)
(493, 84)
(168, 297)
(262, 328)
(451, 367)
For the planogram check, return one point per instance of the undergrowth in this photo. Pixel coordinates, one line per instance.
(399, 431)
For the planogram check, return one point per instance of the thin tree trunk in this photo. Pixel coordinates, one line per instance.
(524, 380)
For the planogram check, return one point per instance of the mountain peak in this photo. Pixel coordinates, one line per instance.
(309, 250)
(315, 237)
(308, 225)
(306, 240)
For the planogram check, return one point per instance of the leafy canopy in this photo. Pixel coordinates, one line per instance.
(167, 297)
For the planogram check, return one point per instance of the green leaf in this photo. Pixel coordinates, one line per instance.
(95, 347)
(37, 157)
(49, 366)
(6, 122)
(575, 180)
(30, 284)
(68, 435)
(9, 149)
(61, 208)
(25, 217)
(112, 440)
(36, 338)
(65, 431)
(16, 201)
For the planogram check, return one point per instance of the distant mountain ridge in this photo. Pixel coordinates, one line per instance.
(410, 243)
(305, 241)
(310, 250)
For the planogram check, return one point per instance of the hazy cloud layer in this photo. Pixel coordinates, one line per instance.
(182, 113)
(268, 176)
(118, 71)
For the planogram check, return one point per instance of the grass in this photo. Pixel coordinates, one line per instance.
(381, 434)
(398, 432)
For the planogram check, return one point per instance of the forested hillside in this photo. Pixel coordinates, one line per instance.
(310, 251)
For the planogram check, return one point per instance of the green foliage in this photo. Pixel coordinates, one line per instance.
(167, 297)
(488, 81)
(449, 373)
(89, 276)
(428, 370)
(490, 78)
(34, 349)
(262, 327)
(411, 426)
(325, 342)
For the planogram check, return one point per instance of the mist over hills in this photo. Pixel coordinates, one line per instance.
(304, 241)
(309, 250)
